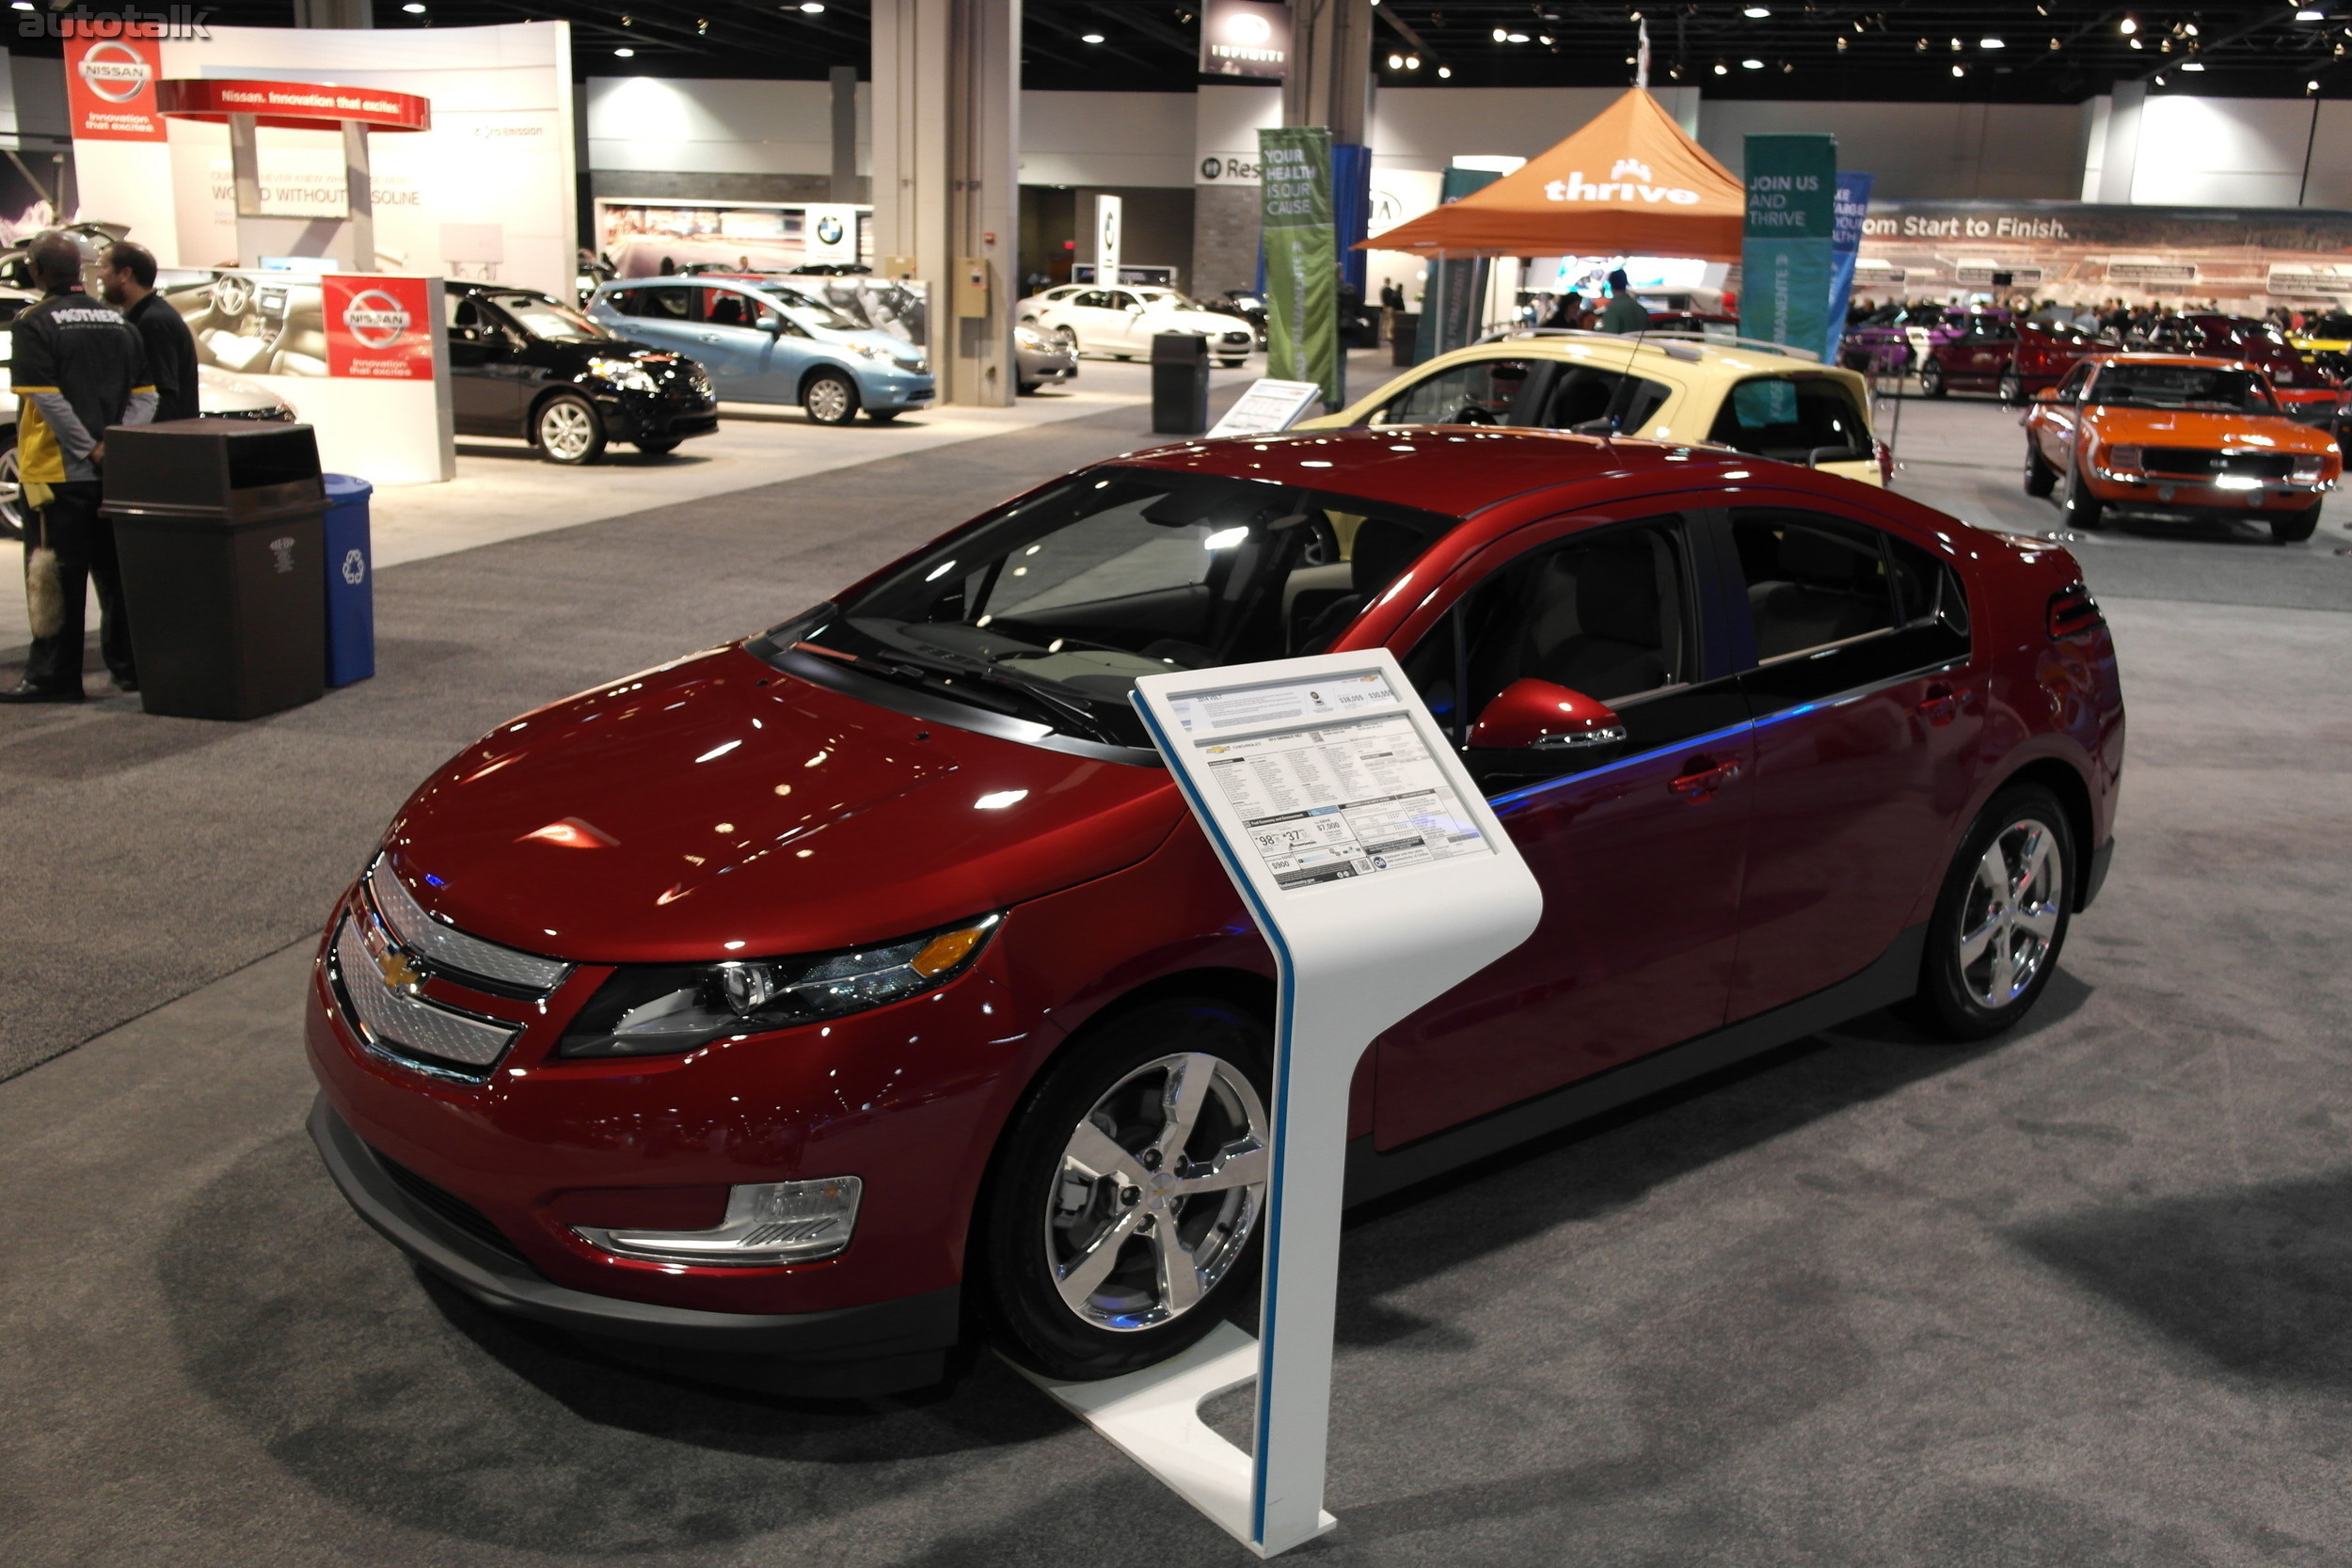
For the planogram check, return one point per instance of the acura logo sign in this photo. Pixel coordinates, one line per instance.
(374, 319)
(115, 72)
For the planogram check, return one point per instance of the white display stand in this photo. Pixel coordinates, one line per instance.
(1381, 880)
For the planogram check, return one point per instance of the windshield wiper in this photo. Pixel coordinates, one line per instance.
(924, 670)
(1027, 685)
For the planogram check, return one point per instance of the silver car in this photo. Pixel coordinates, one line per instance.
(1040, 357)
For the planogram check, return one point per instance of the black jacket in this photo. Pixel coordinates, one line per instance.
(170, 355)
(77, 368)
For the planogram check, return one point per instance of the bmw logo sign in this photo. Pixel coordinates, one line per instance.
(828, 229)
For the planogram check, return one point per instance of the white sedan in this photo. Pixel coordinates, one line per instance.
(1122, 321)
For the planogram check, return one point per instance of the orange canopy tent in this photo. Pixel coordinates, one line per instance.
(1630, 183)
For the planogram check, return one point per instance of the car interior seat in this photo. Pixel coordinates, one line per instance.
(301, 347)
(1382, 548)
(1824, 589)
(1625, 634)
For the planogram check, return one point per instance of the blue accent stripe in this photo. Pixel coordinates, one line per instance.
(1529, 792)
(1273, 934)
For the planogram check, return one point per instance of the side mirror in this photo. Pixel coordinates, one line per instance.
(1552, 721)
(2047, 394)
(772, 325)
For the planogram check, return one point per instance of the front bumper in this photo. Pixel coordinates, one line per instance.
(888, 389)
(639, 416)
(2157, 495)
(883, 1346)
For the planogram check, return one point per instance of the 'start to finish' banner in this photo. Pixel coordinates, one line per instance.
(1301, 257)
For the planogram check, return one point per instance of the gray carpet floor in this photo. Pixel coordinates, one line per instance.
(2079, 1296)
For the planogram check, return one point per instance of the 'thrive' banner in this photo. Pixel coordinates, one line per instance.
(1785, 251)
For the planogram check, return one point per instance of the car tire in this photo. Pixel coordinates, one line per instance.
(1932, 379)
(2288, 528)
(884, 416)
(2040, 479)
(2083, 510)
(663, 447)
(2000, 918)
(567, 430)
(1228, 364)
(12, 511)
(1106, 1098)
(2012, 388)
(1027, 388)
(829, 398)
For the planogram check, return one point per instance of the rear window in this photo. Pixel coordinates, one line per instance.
(1792, 419)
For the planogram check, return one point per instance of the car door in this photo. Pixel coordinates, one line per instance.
(2053, 426)
(660, 315)
(731, 347)
(485, 392)
(1866, 708)
(1639, 852)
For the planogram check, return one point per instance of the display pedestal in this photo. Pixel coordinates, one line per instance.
(1381, 880)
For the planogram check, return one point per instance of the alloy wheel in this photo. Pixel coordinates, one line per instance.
(2011, 914)
(2012, 388)
(11, 498)
(1160, 1185)
(827, 401)
(566, 430)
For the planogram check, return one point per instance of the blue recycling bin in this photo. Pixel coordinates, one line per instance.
(350, 581)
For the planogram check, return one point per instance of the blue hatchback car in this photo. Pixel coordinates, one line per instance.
(765, 341)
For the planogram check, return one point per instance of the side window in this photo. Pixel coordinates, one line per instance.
(1604, 613)
(460, 311)
(725, 307)
(1927, 591)
(1486, 391)
(1812, 580)
(1093, 299)
(663, 302)
(1790, 418)
(2071, 389)
(1581, 395)
(627, 302)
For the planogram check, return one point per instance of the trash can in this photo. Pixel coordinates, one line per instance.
(350, 563)
(217, 525)
(1403, 338)
(1180, 384)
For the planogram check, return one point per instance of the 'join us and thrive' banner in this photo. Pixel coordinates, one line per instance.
(1301, 257)
(1785, 249)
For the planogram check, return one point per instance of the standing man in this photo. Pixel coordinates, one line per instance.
(78, 368)
(1625, 313)
(128, 276)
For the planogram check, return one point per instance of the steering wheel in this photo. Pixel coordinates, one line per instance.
(232, 296)
(1473, 414)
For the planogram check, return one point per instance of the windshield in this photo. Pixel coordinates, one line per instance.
(2181, 387)
(811, 313)
(1050, 608)
(544, 318)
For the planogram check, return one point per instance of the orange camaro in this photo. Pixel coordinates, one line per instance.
(2176, 437)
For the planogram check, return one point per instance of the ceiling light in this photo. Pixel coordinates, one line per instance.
(1960, 70)
(2127, 27)
(2311, 13)
(1955, 46)
(2311, 86)
(1396, 62)
(1721, 70)
(1501, 35)
(1751, 65)
(625, 54)
(1786, 68)
(1445, 72)
(1518, 38)
(1090, 37)
(2190, 29)
(1841, 43)
(1759, 12)
(2192, 65)
(1544, 39)
(1993, 43)
(1412, 62)
(412, 8)
(812, 8)
(2135, 43)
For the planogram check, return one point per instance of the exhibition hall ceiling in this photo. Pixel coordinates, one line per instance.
(1999, 50)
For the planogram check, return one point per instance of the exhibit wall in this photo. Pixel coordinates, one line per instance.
(487, 192)
(643, 239)
(1948, 150)
(2229, 151)
(657, 125)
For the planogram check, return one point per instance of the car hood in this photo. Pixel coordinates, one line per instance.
(2190, 428)
(718, 807)
(897, 348)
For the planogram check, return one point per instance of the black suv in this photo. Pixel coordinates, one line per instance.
(523, 363)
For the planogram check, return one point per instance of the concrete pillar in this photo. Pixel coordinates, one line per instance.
(844, 80)
(1330, 69)
(2118, 161)
(947, 178)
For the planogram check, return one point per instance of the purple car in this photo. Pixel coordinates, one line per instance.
(1892, 339)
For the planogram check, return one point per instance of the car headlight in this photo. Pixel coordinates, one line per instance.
(2310, 467)
(867, 350)
(1029, 337)
(653, 1010)
(627, 374)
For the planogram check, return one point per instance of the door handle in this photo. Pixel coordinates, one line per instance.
(1940, 706)
(1704, 777)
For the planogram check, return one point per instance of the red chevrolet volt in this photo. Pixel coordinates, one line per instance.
(801, 1009)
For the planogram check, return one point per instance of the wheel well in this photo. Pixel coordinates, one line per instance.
(539, 404)
(2067, 784)
(821, 369)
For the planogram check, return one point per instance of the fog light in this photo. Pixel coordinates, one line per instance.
(766, 1224)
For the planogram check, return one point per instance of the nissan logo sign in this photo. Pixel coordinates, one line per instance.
(374, 319)
(115, 72)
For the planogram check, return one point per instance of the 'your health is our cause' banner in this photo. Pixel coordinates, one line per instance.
(1785, 252)
(1301, 257)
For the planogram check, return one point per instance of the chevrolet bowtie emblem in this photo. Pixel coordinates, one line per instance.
(400, 972)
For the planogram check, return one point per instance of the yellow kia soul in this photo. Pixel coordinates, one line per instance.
(1751, 398)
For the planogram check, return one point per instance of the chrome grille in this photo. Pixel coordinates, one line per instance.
(405, 1023)
(2197, 463)
(445, 948)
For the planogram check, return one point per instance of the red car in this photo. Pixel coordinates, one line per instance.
(810, 1000)
(1999, 354)
(2305, 393)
